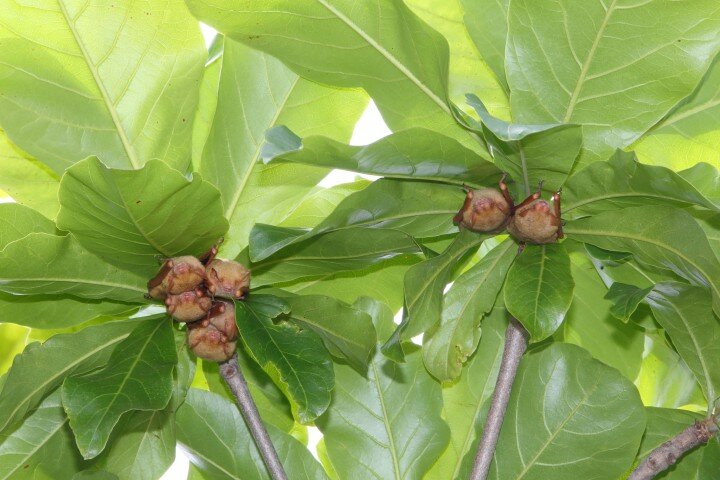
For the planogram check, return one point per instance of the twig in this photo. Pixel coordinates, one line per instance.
(230, 371)
(515, 345)
(665, 456)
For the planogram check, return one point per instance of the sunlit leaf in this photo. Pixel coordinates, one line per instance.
(486, 22)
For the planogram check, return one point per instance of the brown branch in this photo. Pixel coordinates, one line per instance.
(516, 341)
(665, 456)
(230, 371)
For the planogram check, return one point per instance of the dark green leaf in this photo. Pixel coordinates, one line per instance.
(626, 299)
(568, 399)
(129, 217)
(295, 359)
(138, 377)
(539, 289)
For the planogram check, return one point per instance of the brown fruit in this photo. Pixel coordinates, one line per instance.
(177, 275)
(535, 223)
(214, 338)
(227, 279)
(188, 306)
(484, 210)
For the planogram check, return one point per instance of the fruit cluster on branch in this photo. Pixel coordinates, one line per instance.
(200, 292)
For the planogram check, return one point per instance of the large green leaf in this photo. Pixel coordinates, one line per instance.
(387, 425)
(214, 436)
(662, 425)
(295, 359)
(486, 22)
(42, 447)
(50, 265)
(689, 134)
(17, 221)
(705, 178)
(13, 339)
(657, 236)
(130, 216)
(415, 153)
(685, 312)
(623, 182)
(255, 92)
(465, 402)
(615, 67)
(471, 296)
(420, 209)
(335, 252)
(41, 368)
(138, 377)
(26, 180)
(530, 153)
(568, 399)
(404, 69)
(125, 92)
(626, 299)
(539, 289)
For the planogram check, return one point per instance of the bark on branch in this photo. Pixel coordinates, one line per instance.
(230, 371)
(665, 456)
(516, 338)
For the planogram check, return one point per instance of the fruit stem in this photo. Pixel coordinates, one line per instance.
(516, 341)
(230, 371)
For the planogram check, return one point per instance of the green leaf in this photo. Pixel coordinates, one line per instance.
(623, 182)
(415, 153)
(131, 216)
(387, 425)
(658, 236)
(214, 436)
(465, 402)
(530, 153)
(295, 359)
(17, 221)
(26, 180)
(539, 289)
(626, 299)
(471, 297)
(335, 252)
(138, 377)
(566, 398)
(50, 265)
(486, 22)
(688, 134)
(40, 369)
(320, 202)
(706, 179)
(42, 447)
(356, 47)
(13, 339)
(254, 93)
(126, 92)
(418, 209)
(662, 425)
(584, 63)
(686, 314)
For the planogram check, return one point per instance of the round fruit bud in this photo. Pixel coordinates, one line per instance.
(177, 275)
(535, 223)
(484, 210)
(214, 338)
(227, 279)
(188, 306)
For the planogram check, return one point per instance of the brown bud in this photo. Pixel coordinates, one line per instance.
(535, 223)
(188, 306)
(484, 210)
(227, 279)
(177, 275)
(214, 338)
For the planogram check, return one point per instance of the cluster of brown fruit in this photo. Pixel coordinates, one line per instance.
(200, 292)
(491, 211)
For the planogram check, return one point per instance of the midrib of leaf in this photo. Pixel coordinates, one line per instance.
(388, 56)
(588, 61)
(585, 201)
(688, 113)
(37, 447)
(129, 150)
(73, 280)
(63, 371)
(386, 424)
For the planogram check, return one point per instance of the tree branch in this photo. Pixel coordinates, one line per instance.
(515, 345)
(230, 371)
(665, 456)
